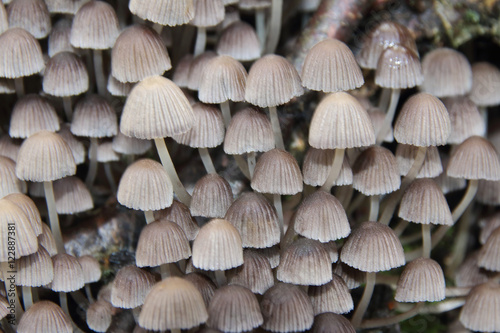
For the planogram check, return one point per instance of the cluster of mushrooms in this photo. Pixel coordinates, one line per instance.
(207, 261)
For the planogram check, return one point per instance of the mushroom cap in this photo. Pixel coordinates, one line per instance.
(99, 316)
(212, 196)
(373, 247)
(272, 81)
(59, 37)
(333, 296)
(145, 185)
(480, 311)
(423, 121)
(48, 316)
(44, 156)
(171, 13)
(180, 214)
(466, 121)
(406, 154)
(68, 273)
(32, 113)
(317, 165)
(330, 66)
(488, 255)
(421, 281)
(447, 72)
(130, 287)
(207, 13)
(35, 270)
(31, 15)
(485, 84)
(332, 322)
(204, 285)
(173, 303)
(164, 110)
(94, 117)
(197, 67)
(65, 75)
(398, 68)
(128, 145)
(340, 121)
(217, 246)
(10, 183)
(21, 54)
(255, 273)
(29, 208)
(91, 268)
(239, 40)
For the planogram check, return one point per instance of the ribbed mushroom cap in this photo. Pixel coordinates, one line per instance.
(91, 268)
(375, 172)
(333, 296)
(117, 88)
(45, 316)
(173, 303)
(207, 130)
(485, 84)
(212, 196)
(180, 214)
(64, 7)
(161, 242)
(138, 52)
(65, 75)
(475, 158)
(490, 252)
(255, 219)
(239, 40)
(331, 322)
(424, 202)
(254, 4)
(466, 120)
(44, 156)
(4, 310)
(68, 273)
(130, 287)
(28, 207)
(10, 183)
(421, 281)
(447, 72)
(272, 254)
(423, 121)
(31, 15)
(386, 34)
(59, 37)
(398, 68)
(217, 246)
(35, 270)
(330, 66)
(277, 172)
(373, 247)
(32, 113)
(352, 277)
(21, 54)
(4, 23)
(105, 153)
(481, 309)
(249, 131)
(469, 274)
(181, 71)
(317, 165)
(207, 13)
(222, 79)
(204, 285)
(171, 13)
(333, 252)
(488, 226)
(272, 81)
(99, 316)
(9, 147)
(145, 185)
(196, 68)
(164, 110)
(286, 308)
(46, 239)
(488, 192)
(129, 145)
(321, 216)
(94, 117)
(255, 273)
(305, 262)
(405, 156)
(340, 121)
(234, 309)
(95, 26)
(77, 148)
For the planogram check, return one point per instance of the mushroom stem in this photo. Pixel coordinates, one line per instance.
(275, 122)
(158, 28)
(344, 194)
(207, 160)
(6, 326)
(63, 301)
(88, 292)
(382, 133)
(275, 26)
(384, 99)
(68, 110)
(179, 189)
(165, 271)
(220, 278)
(251, 163)
(365, 299)
(260, 25)
(466, 200)
(395, 197)
(226, 113)
(374, 207)
(426, 240)
(201, 41)
(110, 177)
(400, 228)
(99, 73)
(89, 181)
(19, 85)
(279, 210)
(53, 217)
(149, 215)
(460, 243)
(381, 322)
(335, 168)
(27, 297)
